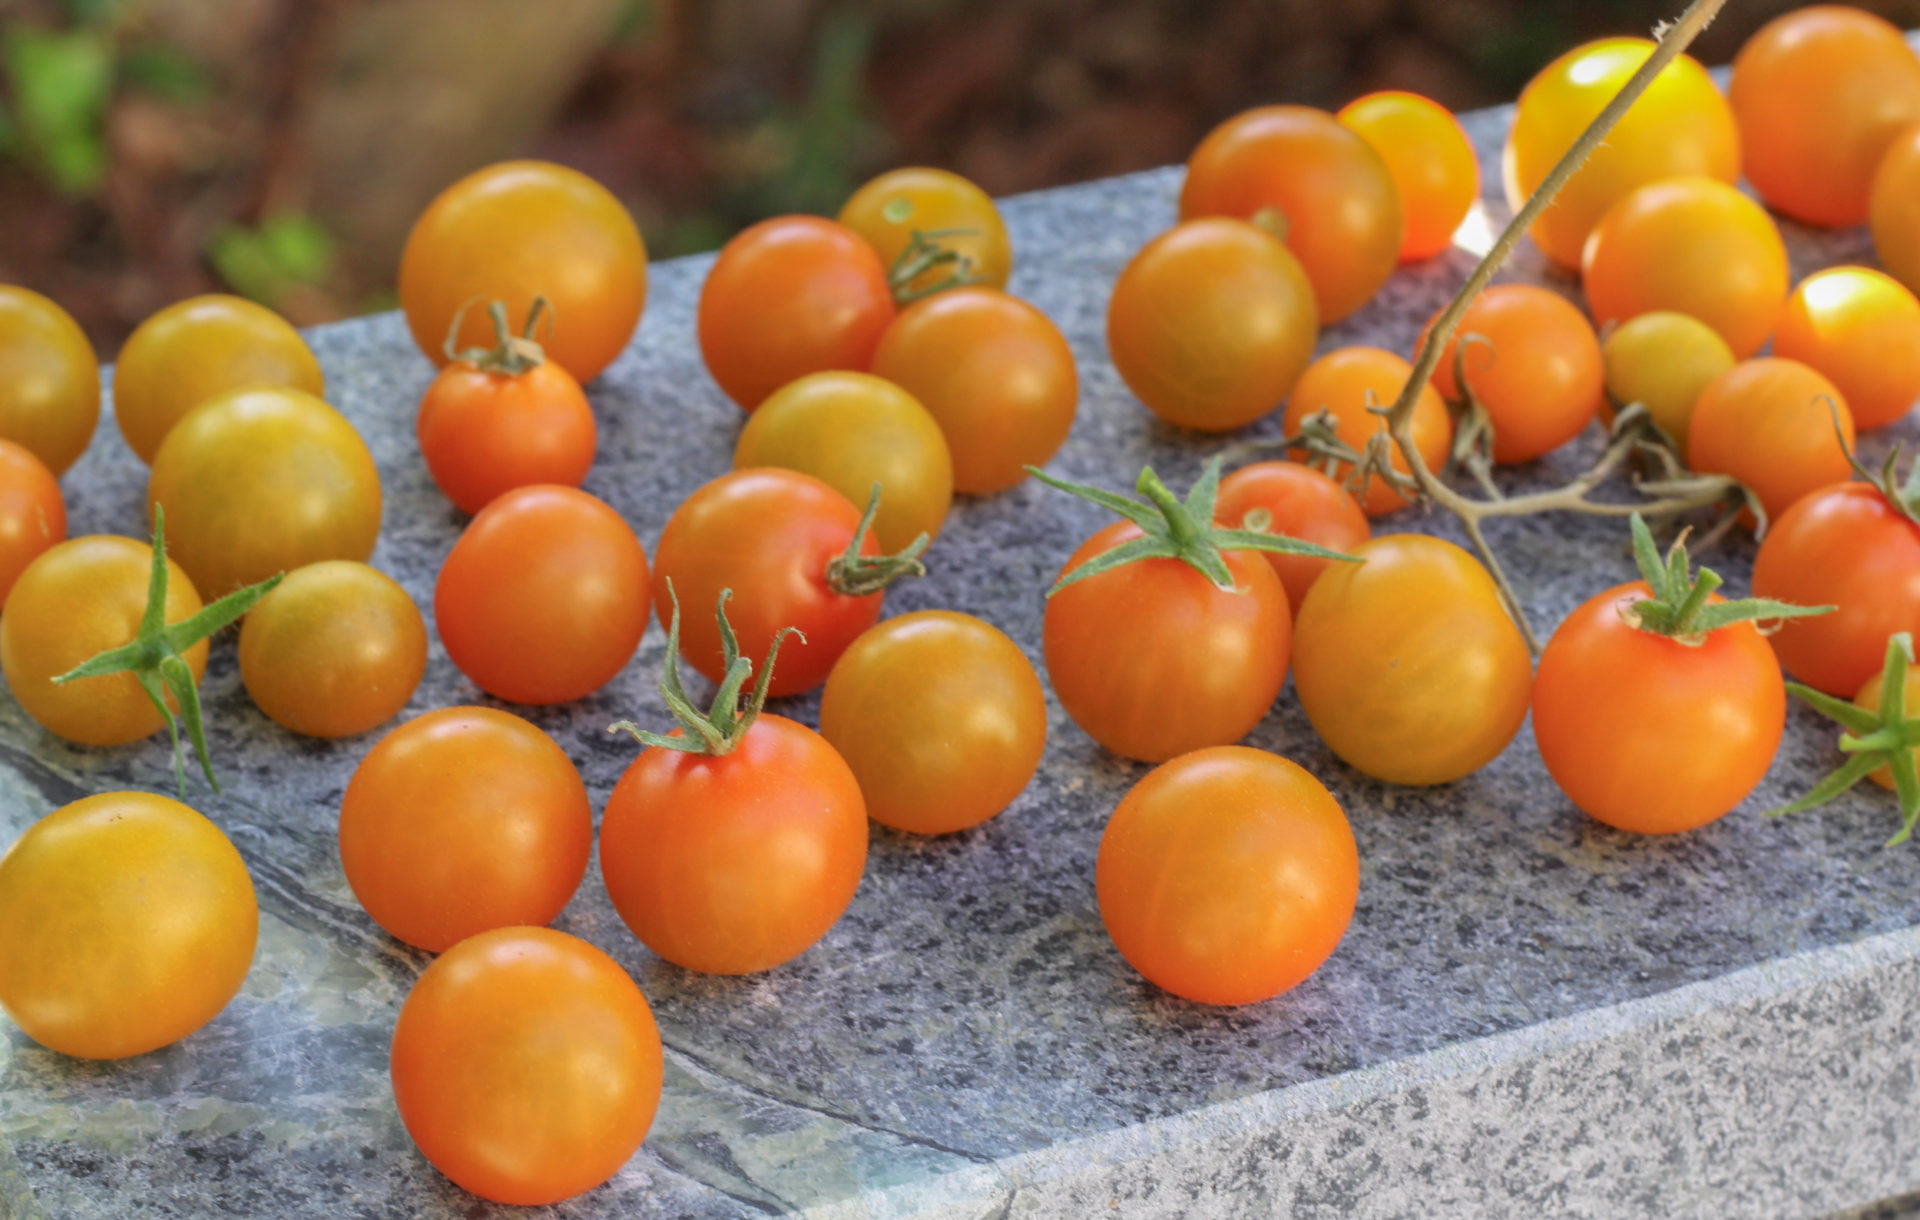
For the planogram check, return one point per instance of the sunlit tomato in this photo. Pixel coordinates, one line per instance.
(1535, 367)
(1846, 546)
(1650, 733)
(544, 597)
(735, 863)
(487, 431)
(1432, 162)
(127, 922)
(1861, 330)
(1771, 424)
(994, 373)
(1347, 382)
(33, 516)
(77, 600)
(1298, 502)
(334, 650)
(941, 718)
(49, 379)
(1317, 183)
(1869, 698)
(1695, 246)
(1895, 209)
(262, 481)
(890, 209)
(1212, 323)
(526, 1065)
(1679, 127)
(1408, 664)
(850, 431)
(1820, 93)
(195, 349)
(1663, 360)
(787, 297)
(520, 230)
(464, 820)
(1227, 875)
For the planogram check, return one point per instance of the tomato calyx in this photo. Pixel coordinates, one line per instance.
(1679, 607)
(1902, 494)
(1271, 221)
(852, 574)
(511, 354)
(722, 726)
(1874, 738)
(154, 657)
(1175, 529)
(926, 252)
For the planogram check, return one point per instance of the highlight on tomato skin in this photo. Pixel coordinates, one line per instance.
(1860, 328)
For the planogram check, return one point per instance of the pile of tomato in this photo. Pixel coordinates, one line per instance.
(882, 368)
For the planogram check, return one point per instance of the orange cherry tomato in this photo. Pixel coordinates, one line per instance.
(333, 650)
(1695, 246)
(1861, 330)
(1895, 209)
(33, 516)
(1227, 875)
(1536, 368)
(1662, 360)
(1350, 380)
(49, 379)
(1770, 423)
(526, 1065)
(1869, 699)
(488, 431)
(1315, 181)
(787, 297)
(1212, 323)
(891, 208)
(1298, 502)
(1820, 93)
(1432, 162)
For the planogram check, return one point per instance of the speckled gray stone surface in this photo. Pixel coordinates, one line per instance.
(1530, 1014)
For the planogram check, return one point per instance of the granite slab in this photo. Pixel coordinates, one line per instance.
(1531, 1014)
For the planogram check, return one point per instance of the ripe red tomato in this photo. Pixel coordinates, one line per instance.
(891, 208)
(1227, 875)
(335, 649)
(526, 1065)
(1347, 382)
(1299, 502)
(1770, 423)
(1538, 372)
(49, 379)
(1432, 162)
(33, 516)
(1894, 209)
(1861, 330)
(544, 597)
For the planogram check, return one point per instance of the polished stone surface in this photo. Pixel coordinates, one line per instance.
(1530, 1012)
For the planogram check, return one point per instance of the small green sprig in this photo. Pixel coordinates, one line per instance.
(852, 574)
(925, 252)
(1680, 606)
(511, 354)
(1874, 738)
(721, 727)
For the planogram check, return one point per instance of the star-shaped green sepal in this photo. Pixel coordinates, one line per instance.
(1874, 738)
(1680, 605)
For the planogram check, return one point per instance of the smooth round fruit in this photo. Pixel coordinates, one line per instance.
(335, 649)
(891, 208)
(1894, 211)
(1408, 664)
(1535, 367)
(516, 231)
(1662, 360)
(485, 433)
(1860, 330)
(261, 481)
(1347, 382)
(127, 922)
(197, 349)
(1432, 162)
(1227, 875)
(1869, 698)
(49, 379)
(1771, 424)
(941, 718)
(1318, 184)
(33, 515)
(1298, 502)
(526, 1065)
(1212, 323)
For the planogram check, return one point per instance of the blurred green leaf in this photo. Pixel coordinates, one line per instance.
(634, 21)
(94, 12)
(62, 81)
(165, 72)
(288, 249)
(834, 129)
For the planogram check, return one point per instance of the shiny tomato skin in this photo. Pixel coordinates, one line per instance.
(1842, 545)
(1349, 380)
(1869, 699)
(526, 1065)
(1652, 734)
(1664, 361)
(889, 209)
(1770, 423)
(1298, 502)
(33, 514)
(1227, 875)
(1539, 373)
(1433, 164)
(736, 863)
(334, 650)
(1894, 209)
(49, 379)
(1860, 329)
(485, 433)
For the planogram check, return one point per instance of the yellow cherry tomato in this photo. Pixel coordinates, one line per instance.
(49, 379)
(1861, 330)
(1662, 360)
(335, 649)
(889, 210)
(1432, 162)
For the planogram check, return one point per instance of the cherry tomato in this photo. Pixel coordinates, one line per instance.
(1320, 185)
(1861, 330)
(1869, 698)
(196, 349)
(334, 650)
(850, 431)
(1347, 382)
(127, 922)
(49, 379)
(1770, 423)
(735, 863)
(1663, 360)
(33, 516)
(1408, 664)
(1695, 246)
(544, 597)
(941, 718)
(1227, 875)
(77, 600)
(1536, 368)
(1432, 162)
(262, 481)
(1654, 734)
(1212, 323)
(787, 297)
(1680, 127)
(1843, 545)
(1298, 502)
(993, 372)
(890, 209)
(487, 430)
(526, 1065)
(520, 230)
(464, 820)
(1895, 209)
(1820, 93)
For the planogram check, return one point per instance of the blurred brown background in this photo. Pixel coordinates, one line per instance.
(151, 149)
